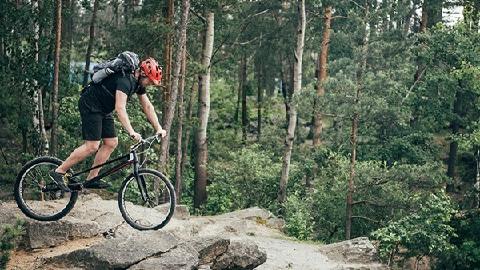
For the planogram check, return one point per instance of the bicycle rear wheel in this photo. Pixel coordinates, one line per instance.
(152, 210)
(37, 195)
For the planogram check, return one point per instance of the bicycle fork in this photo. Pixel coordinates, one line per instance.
(140, 179)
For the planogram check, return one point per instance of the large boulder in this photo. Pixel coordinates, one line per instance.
(241, 254)
(127, 248)
(358, 250)
(48, 234)
(183, 257)
(252, 213)
(209, 248)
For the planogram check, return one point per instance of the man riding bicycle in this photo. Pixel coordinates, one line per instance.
(96, 105)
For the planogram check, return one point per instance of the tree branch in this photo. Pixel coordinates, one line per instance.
(366, 218)
(378, 183)
(413, 85)
(3, 154)
(244, 25)
(370, 203)
(198, 15)
(358, 5)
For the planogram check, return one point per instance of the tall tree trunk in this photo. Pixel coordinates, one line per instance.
(286, 89)
(126, 11)
(49, 59)
(353, 142)
(452, 154)
(181, 114)
(241, 83)
(393, 8)
(58, 37)
(188, 125)
(355, 121)
(115, 5)
(322, 75)
(407, 24)
(69, 29)
(38, 117)
(170, 113)
(168, 52)
(243, 75)
(420, 65)
(476, 186)
(297, 85)
(3, 61)
(424, 20)
(90, 42)
(434, 12)
(260, 87)
(200, 192)
(476, 16)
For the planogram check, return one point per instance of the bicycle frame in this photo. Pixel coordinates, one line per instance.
(116, 168)
(130, 159)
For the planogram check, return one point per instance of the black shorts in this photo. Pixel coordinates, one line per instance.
(95, 124)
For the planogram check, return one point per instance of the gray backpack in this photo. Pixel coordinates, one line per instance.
(126, 62)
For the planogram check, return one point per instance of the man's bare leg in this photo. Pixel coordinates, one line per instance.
(109, 144)
(79, 154)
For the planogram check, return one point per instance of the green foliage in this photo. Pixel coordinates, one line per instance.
(299, 221)
(383, 193)
(9, 239)
(404, 130)
(466, 243)
(424, 232)
(239, 175)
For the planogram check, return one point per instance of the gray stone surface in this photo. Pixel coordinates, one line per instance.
(250, 213)
(183, 257)
(104, 212)
(209, 248)
(181, 212)
(241, 254)
(47, 234)
(276, 223)
(127, 248)
(358, 250)
(207, 242)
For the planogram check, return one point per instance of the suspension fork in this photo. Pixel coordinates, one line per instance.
(140, 179)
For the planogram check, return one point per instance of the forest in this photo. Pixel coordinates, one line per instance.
(345, 118)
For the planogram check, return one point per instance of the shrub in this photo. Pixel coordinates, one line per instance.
(8, 241)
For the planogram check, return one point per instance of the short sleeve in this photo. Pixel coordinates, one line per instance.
(123, 84)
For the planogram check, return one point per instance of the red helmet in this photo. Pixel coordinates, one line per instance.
(152, 70)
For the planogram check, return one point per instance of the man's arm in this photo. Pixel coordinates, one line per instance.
(120, 108)
(149, 111)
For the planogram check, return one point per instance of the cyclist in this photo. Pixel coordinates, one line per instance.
(96, 105)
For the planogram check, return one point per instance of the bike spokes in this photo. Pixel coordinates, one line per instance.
(148, 202)
(39, 194)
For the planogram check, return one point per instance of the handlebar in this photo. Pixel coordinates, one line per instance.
(148, 141)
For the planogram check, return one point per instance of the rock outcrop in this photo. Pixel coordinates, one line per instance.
(94, 236)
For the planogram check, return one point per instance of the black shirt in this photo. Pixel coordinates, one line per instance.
(101, 97)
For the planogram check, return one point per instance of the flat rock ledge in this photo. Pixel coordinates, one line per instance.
(161, 250)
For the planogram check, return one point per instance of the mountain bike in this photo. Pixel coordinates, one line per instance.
(40, 198)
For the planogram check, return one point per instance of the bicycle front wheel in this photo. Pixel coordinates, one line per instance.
(147, 202)
(37, 195)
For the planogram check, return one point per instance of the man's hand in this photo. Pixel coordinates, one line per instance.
(136, 136)
(162, 132)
